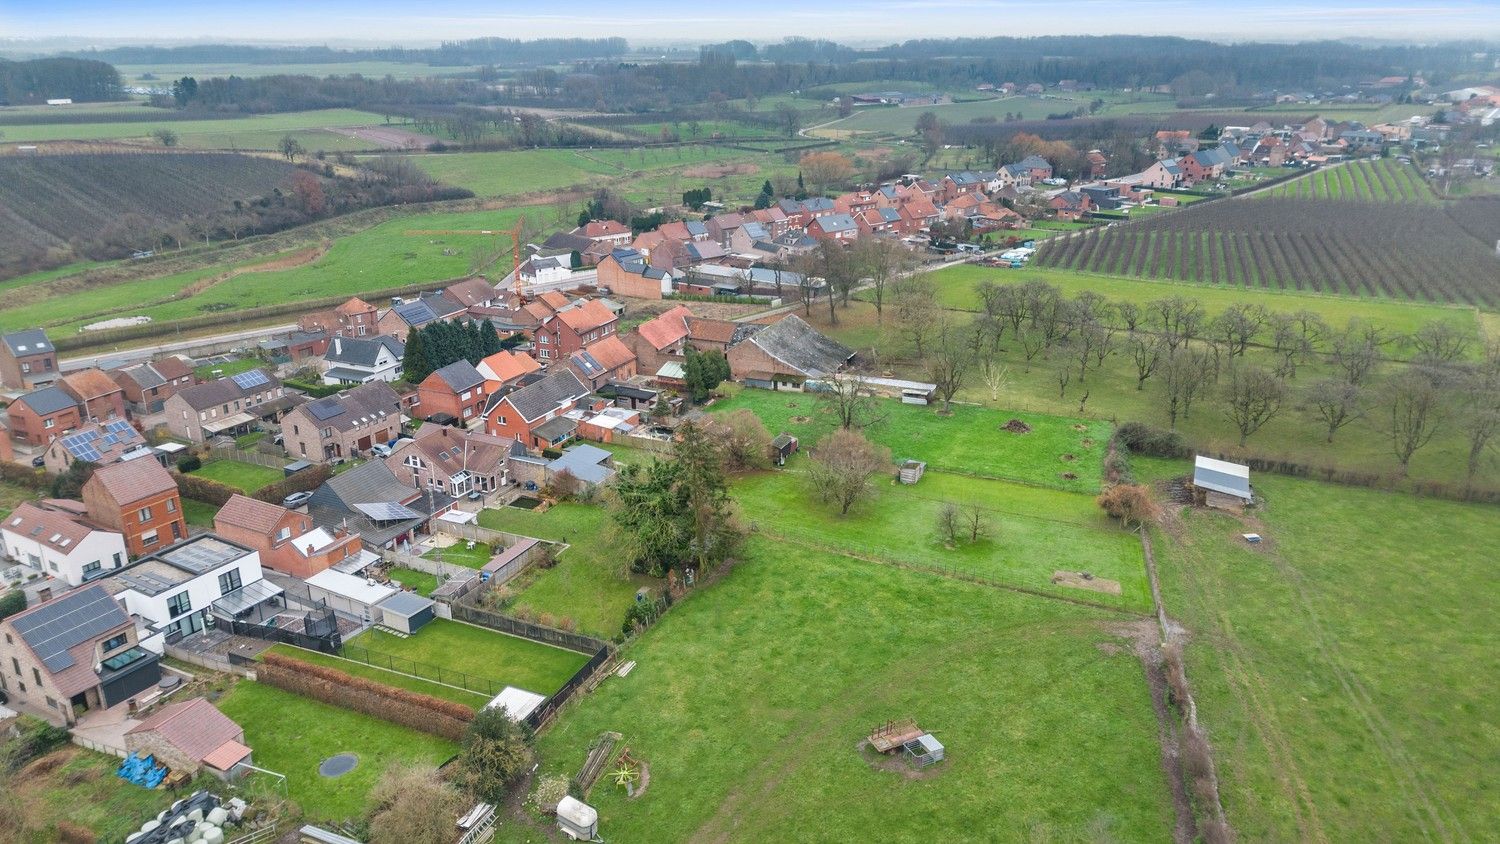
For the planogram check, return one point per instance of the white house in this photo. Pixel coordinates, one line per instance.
(360, 360)
(56, 540)
(173, 591)
(545, 270)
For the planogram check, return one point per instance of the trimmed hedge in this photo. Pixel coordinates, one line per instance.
(317, 391)
(308, 479)
(204, 489)
(388, 703)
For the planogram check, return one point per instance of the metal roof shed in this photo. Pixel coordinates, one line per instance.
(407, 612)
(1221, 476)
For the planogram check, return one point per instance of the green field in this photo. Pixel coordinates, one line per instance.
(292, 735)
(421, 581)
(748, 702)
(226, 133)
(1382, 180)
(245, 477)
(516, 172)
(1342, 668)
(969, 441)
(398, 679)
(456, 646)
(903, 121)
(199, 513)
(131, 74)
(460, 554)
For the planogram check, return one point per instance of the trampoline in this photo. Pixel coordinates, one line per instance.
(337, 766)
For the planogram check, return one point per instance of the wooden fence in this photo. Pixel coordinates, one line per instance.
(223, 452)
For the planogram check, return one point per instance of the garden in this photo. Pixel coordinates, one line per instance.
(245, 477)
(457, 646)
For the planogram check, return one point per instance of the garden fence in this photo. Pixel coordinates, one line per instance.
(327, 643)
(451, 571)
(475, 533)
(580, 678)
(464, 611)
(220, 452)
(435, 673)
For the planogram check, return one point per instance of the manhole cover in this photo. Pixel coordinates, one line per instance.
(337, 766)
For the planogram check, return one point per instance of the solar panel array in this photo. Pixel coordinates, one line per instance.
(91, 444)
(387, 512)
(325, 409)
(251, 379)
(58, 625)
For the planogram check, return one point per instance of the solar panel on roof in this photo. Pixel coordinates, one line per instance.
(119, 426)
(387, 512)
(251, 379)
(325, 409)
(58, 625)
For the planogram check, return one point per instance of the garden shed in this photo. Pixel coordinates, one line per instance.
(784, 446)
(1221, 484)
(517, 703)
(407, 612)
(349, 594)
(912, 470)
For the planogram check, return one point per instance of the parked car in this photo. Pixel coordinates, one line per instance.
(381, 449)
(296, 499)
(38, 462)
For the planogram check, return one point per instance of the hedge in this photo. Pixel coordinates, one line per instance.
(25, 476)
(317, 391)
(401, 707)
(308, 479)
(204, 489)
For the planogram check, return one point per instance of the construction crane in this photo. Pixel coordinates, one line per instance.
(515, 233)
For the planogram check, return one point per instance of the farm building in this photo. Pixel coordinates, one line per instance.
(1221, 484)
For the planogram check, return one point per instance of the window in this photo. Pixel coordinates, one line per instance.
(176, 530)
(50, 423)
(37, 676)
(47, 364)
(229, 581)
(119, 559)
(15, 666)
(466, 394)
(179, 604)
(149, 537)
(93, 569)
(284, 534)
(116, 642)
(171, 505)
(144, 515)
(26, 367)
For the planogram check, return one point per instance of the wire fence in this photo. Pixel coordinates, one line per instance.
(426, 671)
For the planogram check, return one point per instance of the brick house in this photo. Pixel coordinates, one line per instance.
(626, 272)
(451, 461)
(27, 359)
(457, 390)
(42, 415)
(607, 360)
(415, 313)
(101, 445)
(288, 541)
(573, 328)
(189, 735)
(505, 369)
(833, 227)
(661, 339)
(226, 406)
(611, 232)
(139, 499)
(77, 652)
(147, 386)
(1070, 205)
(354, 318)
(473, 293)
(99, 398)
(522, 415)
(343, 425)
(1037, 167)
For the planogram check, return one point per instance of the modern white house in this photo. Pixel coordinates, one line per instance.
(175, 591)
(56, 540)
(360, 360)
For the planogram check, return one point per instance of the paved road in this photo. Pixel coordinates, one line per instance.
(123, 357)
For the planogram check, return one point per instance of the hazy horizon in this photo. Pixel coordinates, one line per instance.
(386, 23)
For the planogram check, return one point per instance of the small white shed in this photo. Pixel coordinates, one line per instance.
(517, 703)
(1221, 484)
(577, 819)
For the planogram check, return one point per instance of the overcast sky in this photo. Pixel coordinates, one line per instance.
(423, 22)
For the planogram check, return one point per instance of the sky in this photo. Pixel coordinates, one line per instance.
(424, 22)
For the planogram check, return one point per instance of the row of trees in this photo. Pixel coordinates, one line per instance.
(437, 344)
(1196, 359)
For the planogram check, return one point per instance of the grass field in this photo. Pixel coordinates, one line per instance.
(292, 735)
(969, 441)
(421, 581)
(903, 121)
(460, 554)
(401, 680)
(456, 646)
(1382, 180)
(199, 513)
(79, 786)
(131, 74)
(245, 477)
(254, 132)
(590, 583)
(748, 702)
(1342, 669)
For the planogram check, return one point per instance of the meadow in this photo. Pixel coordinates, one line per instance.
(131, 74)
(903, 121)
(1341, 666)
(749, 701)
(255, 130)
(515, 172)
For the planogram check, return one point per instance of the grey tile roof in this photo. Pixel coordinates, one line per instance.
(48, 400)
(539, 399)
(801, 347)
(204, 396)
(360, 351)
(365, 404)
(332, 504)
(29, 342)
(1035, 162)
(460, 375)
(835, 223)
(144, 375)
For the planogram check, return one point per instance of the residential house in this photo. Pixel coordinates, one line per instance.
(626, 272)
(177, 589)
(1013, 175)
(147, 386)
(1037, 167)
(451, 461)
(343, 425)
(533, 415)
(1207, 164)
(456, 390)
(743, 240)
(473, 293)
(1070, 205)
(611, 232)
(876, 221)
(661, 339)
(76, 653)
(1096, 164)
(112, 442)
(27, 359)
(787, 352)
(295, 346)
(415, 313)
(288, 541)
(139, 499)
(1103, 197)
(372, 502)
(360, 360)
(540, 269)
(684, 230)
(721, 227)
(1165, 174)
(41, 416)
(354, 318)
(574, 327)
(55, 538)
(190, 735)
(564, 244)
(607, 360)
(981, 213)
(604, 423)
(772, 219)
(955, 185)
(506, 369)
(833, 227)
(230, 406)
(99, 398)
(917, 214)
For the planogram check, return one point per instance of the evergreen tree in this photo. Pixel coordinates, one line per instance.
(489, 339)
(767, 196)
(701, 483)
(695, 377)
(415, 364)
(473, 342)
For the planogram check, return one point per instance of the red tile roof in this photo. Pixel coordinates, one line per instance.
(133, 480)
(251, 514)
(195, 727)
(588, 316)
(666, 329)
(507, 366)
(611, 352)
(90, 383)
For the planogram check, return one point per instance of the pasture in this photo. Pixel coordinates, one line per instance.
(1381, 180)
(1390, 250)
(516, 172)
(749, 700)
(903, 120)
(250, 132)
(1341, 668)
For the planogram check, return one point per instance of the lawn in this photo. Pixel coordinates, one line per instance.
(590, 583)
(456, 646)
(446, 691)
(79, 786)
(210, 371)
(199, 513)
(1033, 532)
(12, 495)
(421, 581)
(970, 441)
(245, 477)
(1345, 668)
(292, 735)
(749, 699)
(459, 554)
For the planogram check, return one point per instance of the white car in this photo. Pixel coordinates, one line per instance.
(381, 449)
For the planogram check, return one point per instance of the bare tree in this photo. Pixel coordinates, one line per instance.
(1286, 343)
(852, 401)
(883, 261)
(1356, 350)
(1179, 320)
(1094, 343)
(1439, 342)
(949, 359)
(1185, 377)
(1252, 398)
(977, 521)
(996, 378)
(915, 301)
(843, 464)
(1413, 405)
(948, 522)
(1064, 376)
(1336, 403)
(1237, 327)
(1130, 315)
(1481, 408)
(1146, 353)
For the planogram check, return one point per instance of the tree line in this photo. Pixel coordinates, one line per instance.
(435, 345)
(473, 51)
(38, 80)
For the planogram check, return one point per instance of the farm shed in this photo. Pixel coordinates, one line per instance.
(1221, 484)
(910, 392)
(189, 735)
(406, 612)
(911, 471)
(507, 559)
(784, 446)
(925, 750)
